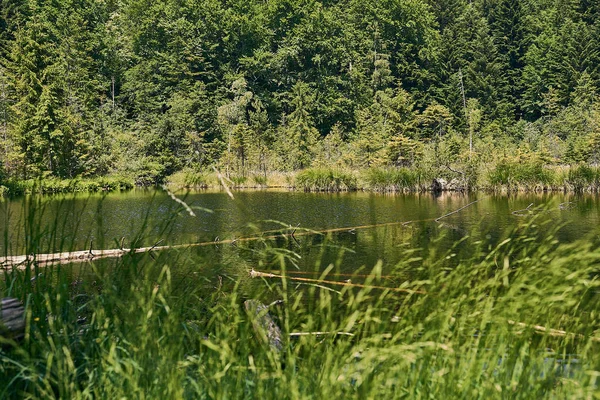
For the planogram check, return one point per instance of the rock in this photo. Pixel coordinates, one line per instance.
(455, 184)
(438, 185)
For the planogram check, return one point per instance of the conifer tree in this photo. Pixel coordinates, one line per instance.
(508, 27)
(470, 66)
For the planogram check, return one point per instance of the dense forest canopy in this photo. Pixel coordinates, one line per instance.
(146, 88)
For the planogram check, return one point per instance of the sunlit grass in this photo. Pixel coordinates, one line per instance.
(325, 180)
(532, 176)
(395, 179)
(55, 185)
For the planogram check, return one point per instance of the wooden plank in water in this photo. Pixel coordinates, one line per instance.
(263, 324)
(12, 318)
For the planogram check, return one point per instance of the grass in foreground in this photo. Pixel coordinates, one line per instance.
(141, 327)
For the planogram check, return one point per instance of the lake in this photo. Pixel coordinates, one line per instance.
(369, 226)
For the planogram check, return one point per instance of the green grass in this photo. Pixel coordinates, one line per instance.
(522, 175)
(145, 326)
(238, 180)
(533, 175)
(260, 180)
(188, 178)
(325, 180)
(394, 179)
(54, 185)
(584, 178)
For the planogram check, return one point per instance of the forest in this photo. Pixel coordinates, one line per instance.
(143, 89)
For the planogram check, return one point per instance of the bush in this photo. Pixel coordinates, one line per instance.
(151, 173)
(55, 185)
(260, 180)
(238, 180)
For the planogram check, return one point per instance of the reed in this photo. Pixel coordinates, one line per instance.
(189, 179)
(583, 178)
(395, 179)
(55, 185)
(325, 180)
(523, 175)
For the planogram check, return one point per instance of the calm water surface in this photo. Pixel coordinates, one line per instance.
(145, 217)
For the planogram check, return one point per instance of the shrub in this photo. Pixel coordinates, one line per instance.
(56, 185)
(238, 180)
(260, 180)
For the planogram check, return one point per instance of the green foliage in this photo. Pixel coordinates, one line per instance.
(260, 180)
(188, 178)
(147, 89)
(434, 121)
(325, 180)
(238, 180)
(403, 151)
(299, 133)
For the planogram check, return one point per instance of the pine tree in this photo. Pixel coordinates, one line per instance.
(446, 12)
(470, 67)
(390, 115)
(508, 26)
(233, 119)
(557, 59)
(300, 129)
(34, 109)
(585, 93)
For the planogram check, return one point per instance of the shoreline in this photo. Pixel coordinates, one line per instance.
(578, 179)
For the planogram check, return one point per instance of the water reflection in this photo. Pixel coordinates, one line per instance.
(76, 221)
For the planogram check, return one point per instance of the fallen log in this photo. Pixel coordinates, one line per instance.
(20, 262)
(263, 325)
(12, 319)
(269, 332)
(42, 260)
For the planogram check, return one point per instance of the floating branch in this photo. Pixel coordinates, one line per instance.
(457, 211)
(257, 274)
(520, 213)
(41, 260)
